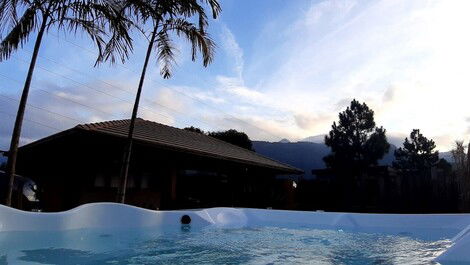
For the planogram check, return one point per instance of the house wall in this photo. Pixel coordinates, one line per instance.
(84, 167)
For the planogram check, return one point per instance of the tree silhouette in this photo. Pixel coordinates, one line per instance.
(194, 129)
(20, 18)
(234, 137)
(460, 158)
(166, 17)
(417, 154)
(356, 142)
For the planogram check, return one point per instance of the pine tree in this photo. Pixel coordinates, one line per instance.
(355, 141)
(417, 154)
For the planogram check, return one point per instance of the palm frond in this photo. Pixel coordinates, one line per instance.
(105, 23)
(8, 14)
(114, 19)
(141, 10)
(118, 46)
(94, 32)
(200, 40)
(19, 34)
(165, 53)
(215, 6)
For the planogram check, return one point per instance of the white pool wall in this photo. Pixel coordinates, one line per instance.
(112, 215)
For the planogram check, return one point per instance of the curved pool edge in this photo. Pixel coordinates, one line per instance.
(113, 215)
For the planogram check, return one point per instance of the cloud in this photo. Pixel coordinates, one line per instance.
(312, 121)
(389, 94)
(171, 99)
(235, 87)
(258, 128)
(396, 138)
(233, 50)
(328, 10)
(55, 108)
(343, 103)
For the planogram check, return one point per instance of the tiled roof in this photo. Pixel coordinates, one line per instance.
(186, 141)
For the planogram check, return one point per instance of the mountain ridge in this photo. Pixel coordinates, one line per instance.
(308, 155)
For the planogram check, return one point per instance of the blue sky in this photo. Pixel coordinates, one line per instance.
(283, 69)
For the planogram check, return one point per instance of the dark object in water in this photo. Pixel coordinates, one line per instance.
(185, 219)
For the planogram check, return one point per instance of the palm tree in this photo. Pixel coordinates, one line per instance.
(21, 18)
(167, 17)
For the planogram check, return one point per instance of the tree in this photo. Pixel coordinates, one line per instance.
(417, 154)
(20, 18)
(166, 17)
(461, 166)
(460, 158)
(356, 142)
(234, 137)
(445, 166)
(194, 129)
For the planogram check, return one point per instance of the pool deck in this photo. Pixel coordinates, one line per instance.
(111, 215)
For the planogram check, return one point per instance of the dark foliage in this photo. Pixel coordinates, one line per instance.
(445, 166)
(356, 142)
(187, 19)
(194, 129)
(102, 21)
(234, 137)
(417, 153)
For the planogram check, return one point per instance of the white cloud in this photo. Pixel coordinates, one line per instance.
(408, 60)
(330, 10)
(233, 50)
(235, 87)
(312, 122)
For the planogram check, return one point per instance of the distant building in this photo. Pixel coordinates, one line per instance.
(170, 168)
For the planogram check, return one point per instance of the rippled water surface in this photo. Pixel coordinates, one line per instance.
(266, 245)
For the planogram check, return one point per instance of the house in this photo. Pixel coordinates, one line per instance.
(170, 168)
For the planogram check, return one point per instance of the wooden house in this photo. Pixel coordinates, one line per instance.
(170, 168)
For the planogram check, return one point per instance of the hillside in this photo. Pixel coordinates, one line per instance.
(303, 155)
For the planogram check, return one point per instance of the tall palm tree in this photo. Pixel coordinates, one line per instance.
(167, 17)
(21, 18)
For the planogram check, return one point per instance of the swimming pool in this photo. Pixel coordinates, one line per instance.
(107, 233)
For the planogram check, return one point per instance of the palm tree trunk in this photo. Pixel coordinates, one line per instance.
(127, 153)
(15, 138)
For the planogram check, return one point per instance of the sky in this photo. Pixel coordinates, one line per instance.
(283, 69)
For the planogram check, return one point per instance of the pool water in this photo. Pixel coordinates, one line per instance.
(211, 245)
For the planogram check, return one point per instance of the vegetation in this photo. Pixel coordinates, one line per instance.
(232, 136)
(194, 129)
(164, 18)
(462, 173)
(19, 19)
(460, 158)
(356, 142)
(417, 153)
(418, 180)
